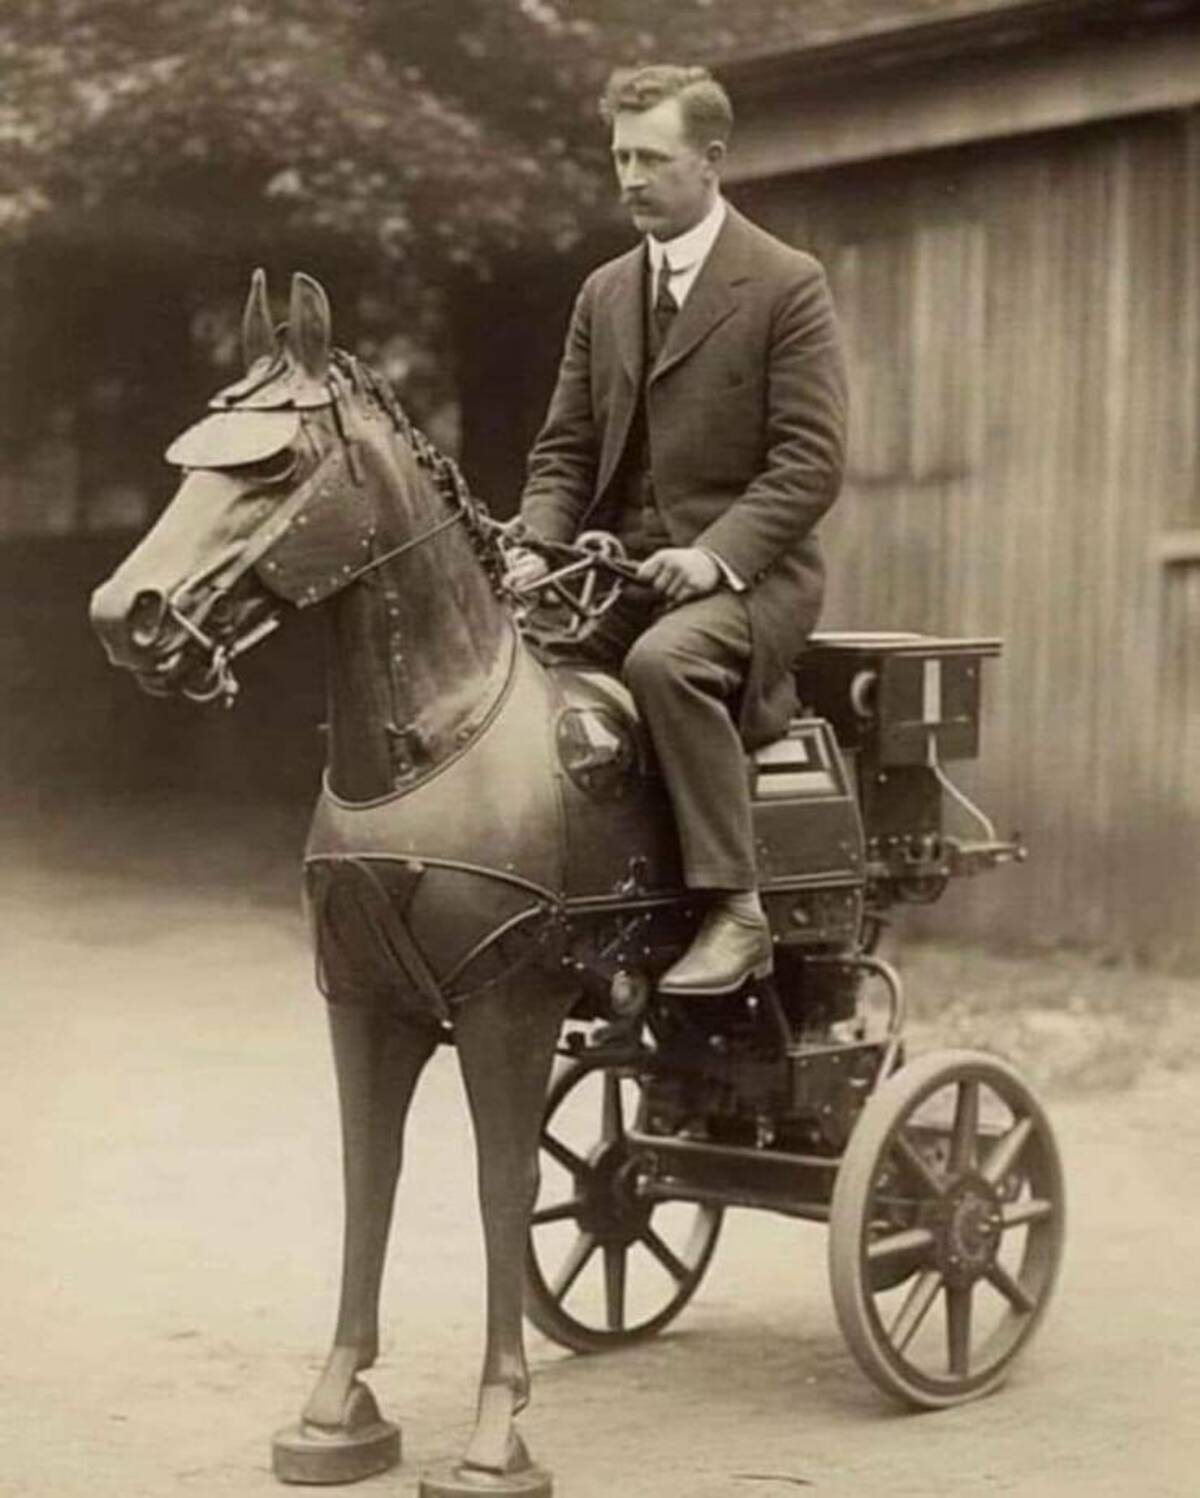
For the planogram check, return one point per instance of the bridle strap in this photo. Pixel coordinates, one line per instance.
(223, 578)
(273, 530)
(261, 541)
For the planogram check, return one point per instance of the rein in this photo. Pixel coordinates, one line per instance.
(410, 545)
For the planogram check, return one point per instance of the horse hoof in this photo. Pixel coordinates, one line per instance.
(519, 1479)
(460, 1481)
(364, 1445)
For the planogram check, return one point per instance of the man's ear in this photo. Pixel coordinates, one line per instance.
(714, 154)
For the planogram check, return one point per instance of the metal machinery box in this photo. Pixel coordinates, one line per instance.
(808, 836)
(903, 705)
(893, 697)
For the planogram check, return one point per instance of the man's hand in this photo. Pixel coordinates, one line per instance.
(523, 568)
(680, 573)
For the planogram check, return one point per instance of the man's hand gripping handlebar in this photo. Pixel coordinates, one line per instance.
(582, 579)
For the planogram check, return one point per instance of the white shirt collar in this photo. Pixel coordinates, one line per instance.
(689, 250)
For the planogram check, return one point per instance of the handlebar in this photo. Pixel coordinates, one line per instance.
(573, 580)
(594, 549)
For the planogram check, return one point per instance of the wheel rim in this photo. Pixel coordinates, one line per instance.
(606, 1266)
(950, 1222)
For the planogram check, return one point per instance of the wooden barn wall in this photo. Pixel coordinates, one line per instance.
(1024, 333)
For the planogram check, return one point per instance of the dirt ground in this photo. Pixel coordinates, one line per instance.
(171, 1212)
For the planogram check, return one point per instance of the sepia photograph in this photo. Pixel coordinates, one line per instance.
(599, 748)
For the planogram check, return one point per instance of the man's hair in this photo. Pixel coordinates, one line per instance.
(703, 103)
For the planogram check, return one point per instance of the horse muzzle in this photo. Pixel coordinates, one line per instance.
(178, 645)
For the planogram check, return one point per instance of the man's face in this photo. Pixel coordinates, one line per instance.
(666, 182)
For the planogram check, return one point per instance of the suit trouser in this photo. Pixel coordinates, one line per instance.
(686, 667)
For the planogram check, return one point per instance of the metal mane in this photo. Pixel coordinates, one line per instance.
(348, 373)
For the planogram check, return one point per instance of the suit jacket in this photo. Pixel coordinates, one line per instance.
(746, 409)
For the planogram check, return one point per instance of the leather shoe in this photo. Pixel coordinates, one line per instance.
(726, 952)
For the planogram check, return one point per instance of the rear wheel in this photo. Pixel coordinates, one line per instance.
(946, 1228)
(605, 1266)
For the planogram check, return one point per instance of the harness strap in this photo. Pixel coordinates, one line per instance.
(391, 931)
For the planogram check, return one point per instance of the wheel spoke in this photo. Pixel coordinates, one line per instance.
(958, 1330)
(616, 1256)
(674, 1266)
(1035, 1209)
(612, 1118)
(567, 1158)
(1007, 1151)
(915, 1308)
(1014, 1292)
(560, 1212)
(572, 1266)
(966, 1126)
(918, 1166)
(909, 1240)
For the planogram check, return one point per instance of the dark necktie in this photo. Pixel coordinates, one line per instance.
(665, 305)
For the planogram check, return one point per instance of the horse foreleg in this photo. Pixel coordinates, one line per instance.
(378, 1061)
(506, 1039)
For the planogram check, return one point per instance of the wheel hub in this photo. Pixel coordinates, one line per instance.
(612, 1210)
(969, 1223)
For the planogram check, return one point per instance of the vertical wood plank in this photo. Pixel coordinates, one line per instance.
(1025, 327)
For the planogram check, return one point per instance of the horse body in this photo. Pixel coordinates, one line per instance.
(308, 486)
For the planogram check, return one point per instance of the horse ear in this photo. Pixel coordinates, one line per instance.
(258, 334)
(308, 330)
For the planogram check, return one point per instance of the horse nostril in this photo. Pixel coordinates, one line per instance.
(146, 618)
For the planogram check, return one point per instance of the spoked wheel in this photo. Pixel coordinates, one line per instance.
(946, 1228)
(605, 1267)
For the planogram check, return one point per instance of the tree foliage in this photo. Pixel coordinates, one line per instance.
(453, 129)
(423, 141)
(201, 114)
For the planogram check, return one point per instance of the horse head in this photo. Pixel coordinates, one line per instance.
(294, 485)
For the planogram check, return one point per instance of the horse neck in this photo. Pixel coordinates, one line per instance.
(420, 647)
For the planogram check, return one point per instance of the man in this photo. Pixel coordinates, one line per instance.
(699, 413)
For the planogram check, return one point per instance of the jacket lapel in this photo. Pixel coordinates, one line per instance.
(711, 299)
(628, 320)
(629, 313)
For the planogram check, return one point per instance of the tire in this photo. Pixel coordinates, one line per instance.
(950, 1195)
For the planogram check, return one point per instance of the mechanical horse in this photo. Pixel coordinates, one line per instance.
(492, 852)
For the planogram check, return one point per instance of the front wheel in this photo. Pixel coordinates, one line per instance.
(946, 1228)
(605, 1266)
